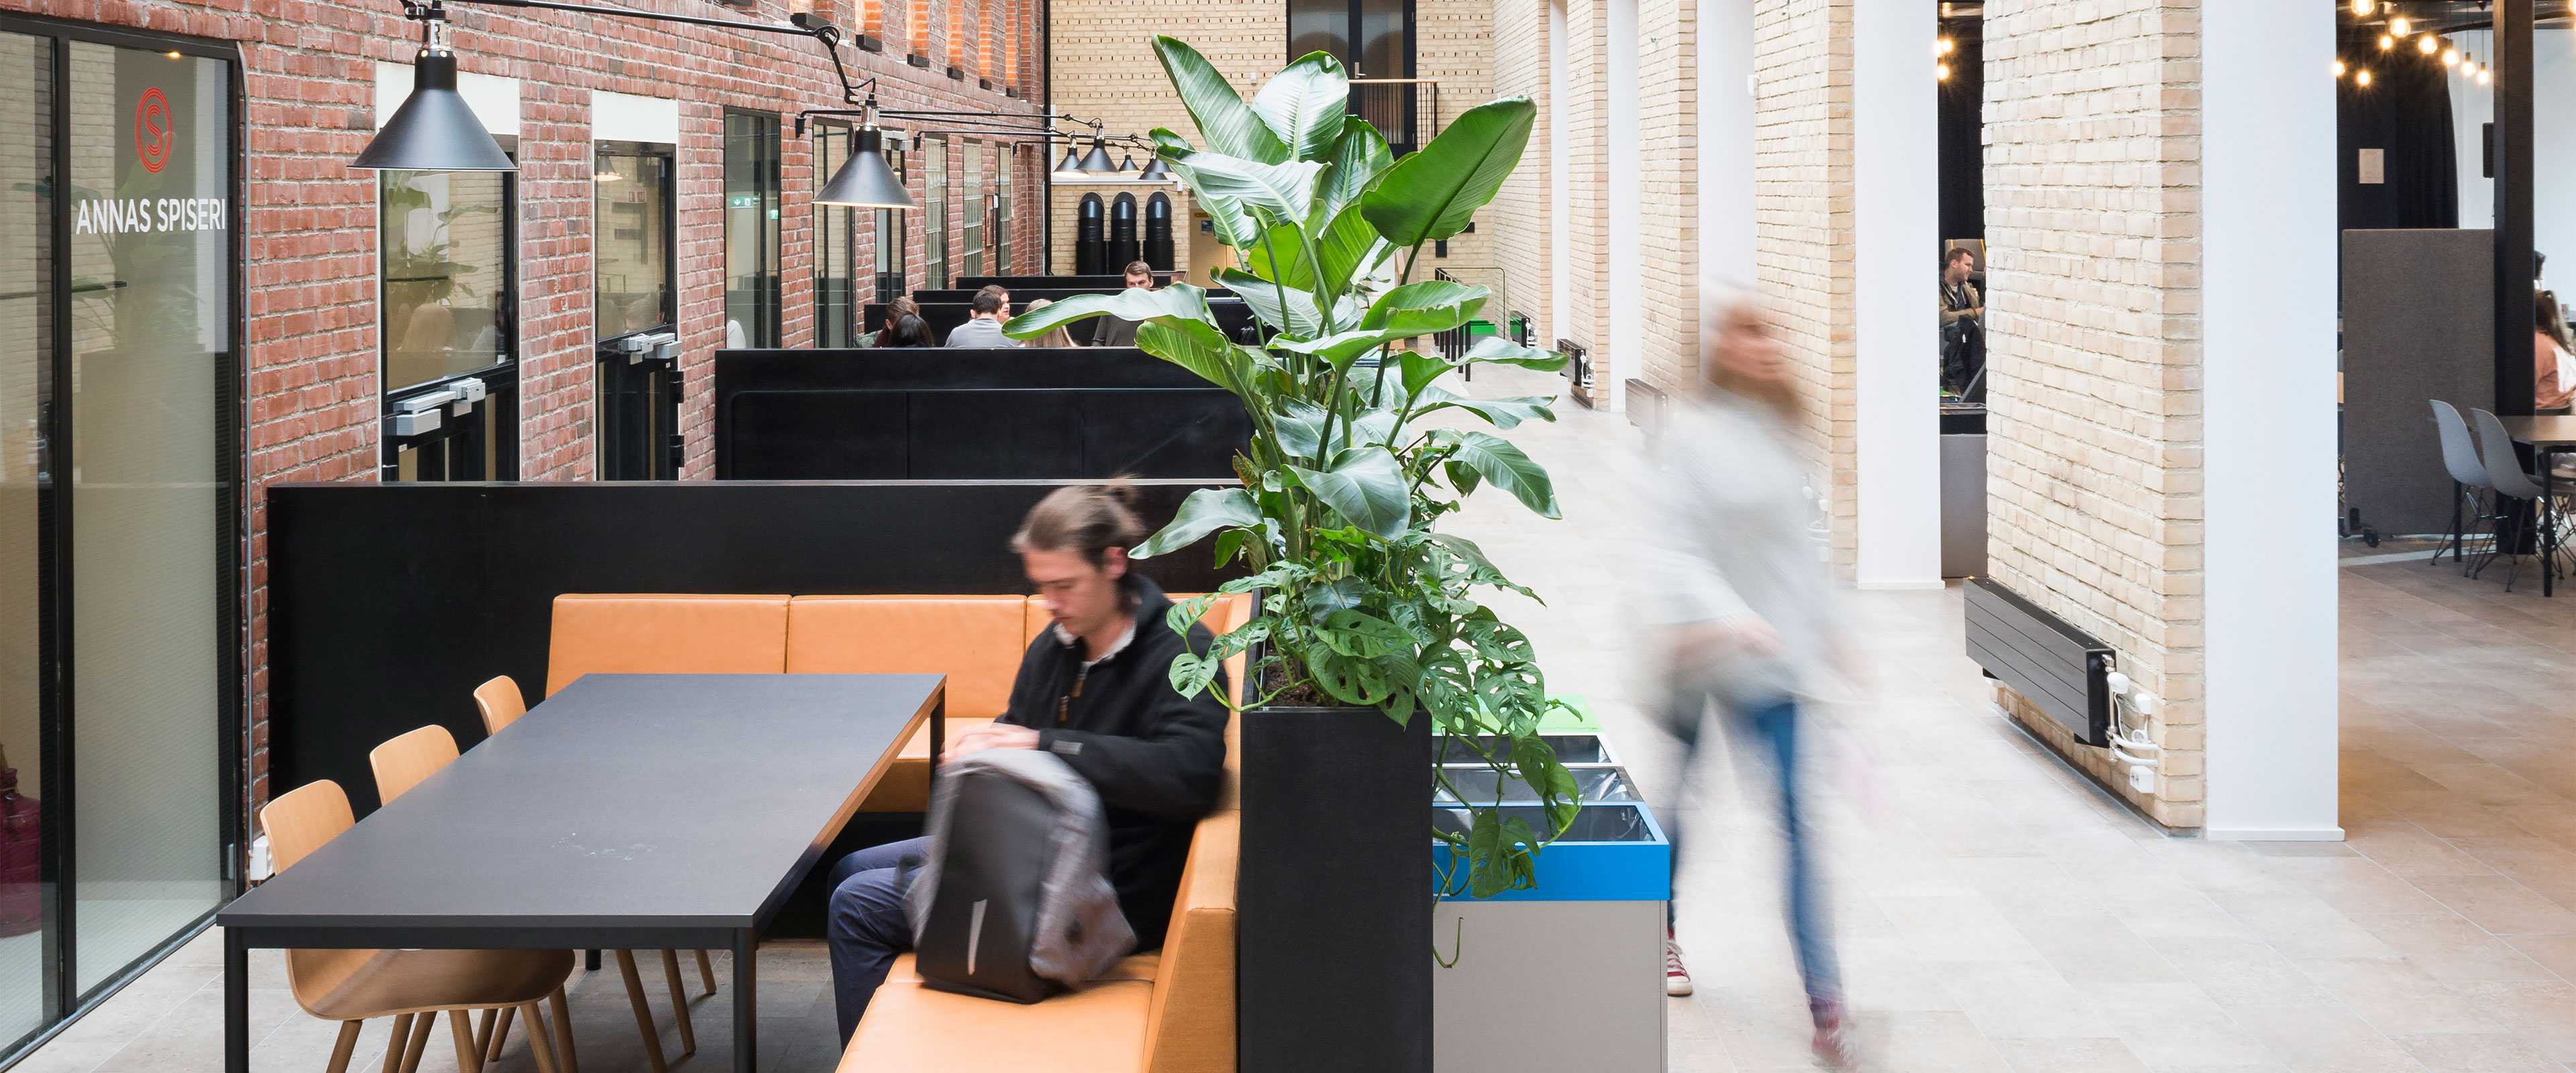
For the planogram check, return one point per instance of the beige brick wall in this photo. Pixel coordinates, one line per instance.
(1454, 43)
(1803, 233)
(1517, 222)
(1064, 214)
(1668, 159)
(2094, 449)
(1104, 65)
(1586, 198)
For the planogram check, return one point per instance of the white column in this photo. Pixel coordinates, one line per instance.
(1560, 259)
(1725, 143)
(2268, 162)
(1896, 220)
(1627, 190)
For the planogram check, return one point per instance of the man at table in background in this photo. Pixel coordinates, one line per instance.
(1119, 331)
(1094, 689)
(984, 317)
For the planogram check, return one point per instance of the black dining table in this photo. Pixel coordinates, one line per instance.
(627, 812)
(2548, 436)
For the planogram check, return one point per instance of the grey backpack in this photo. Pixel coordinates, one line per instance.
(1013, 898)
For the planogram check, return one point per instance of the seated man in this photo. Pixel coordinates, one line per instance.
(1095, 690)
(983, 327)
(1119, 331)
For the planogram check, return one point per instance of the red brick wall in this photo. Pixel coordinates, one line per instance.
(309, 222)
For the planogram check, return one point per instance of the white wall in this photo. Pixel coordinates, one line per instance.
(1560, 263)
(1896, 219)
(1726, 143)
(2268, 358)
(1627, 192)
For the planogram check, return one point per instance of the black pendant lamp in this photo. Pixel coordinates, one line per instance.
(1127, 164)
(1154, 169)
(865, 181)
(1096, 162)
(1071, 166)
(434, 130)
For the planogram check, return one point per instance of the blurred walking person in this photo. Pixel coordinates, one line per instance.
(1750, 622)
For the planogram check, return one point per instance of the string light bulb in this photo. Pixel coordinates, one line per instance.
(2485, 76)
(2361, 9)
(2401, 26)
(2339, 68)
(1943, 46)
(1941, 72)
(2386, 42)
(2361, 77)
(2428, 44)
(2450, 57)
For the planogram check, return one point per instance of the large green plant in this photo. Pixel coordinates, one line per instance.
(1362, 603)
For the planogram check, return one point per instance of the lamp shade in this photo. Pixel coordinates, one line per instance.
(1154, 169)
(1096, 162)
(865, 181)
(434, 130)
(1071, 166)
(1127, 163)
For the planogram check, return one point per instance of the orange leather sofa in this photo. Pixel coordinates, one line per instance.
(1170, 1011)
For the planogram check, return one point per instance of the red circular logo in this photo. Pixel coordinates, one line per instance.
(152, 134)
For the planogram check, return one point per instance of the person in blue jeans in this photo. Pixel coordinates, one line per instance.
(1747, 613)
(1095, 690)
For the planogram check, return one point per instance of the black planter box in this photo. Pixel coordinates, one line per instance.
(1334, 893)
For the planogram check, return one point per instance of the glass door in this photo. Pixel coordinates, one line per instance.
(120, 456)
(1374, 41)
(632, 269)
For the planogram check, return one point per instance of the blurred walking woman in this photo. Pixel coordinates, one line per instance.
(1750, 617)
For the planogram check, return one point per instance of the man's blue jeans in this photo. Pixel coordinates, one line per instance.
(1772, 730)
(867, 927)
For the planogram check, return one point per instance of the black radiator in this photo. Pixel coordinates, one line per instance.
(2059, 669)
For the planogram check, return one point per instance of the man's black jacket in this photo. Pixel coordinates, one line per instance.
(1156, 758)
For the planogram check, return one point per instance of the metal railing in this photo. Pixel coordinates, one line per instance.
(1405, 110)
(1456, 341)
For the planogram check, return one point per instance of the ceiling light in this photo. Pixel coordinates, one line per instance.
(1128, 164)
(2361, 77)
(2428, 44)
(1071, 166)
(866, 181)
(2339, 68)
(2485, 76)
(2361, 9)
(1154, 169)
(434, 130)
(1941, 71)
(2401, 26)
(1096, 162)
(1943, 46)
(2386, 42)
(2450, 57)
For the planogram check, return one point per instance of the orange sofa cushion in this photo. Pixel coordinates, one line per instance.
(636, 633)
(974, 640)
(911, 1027)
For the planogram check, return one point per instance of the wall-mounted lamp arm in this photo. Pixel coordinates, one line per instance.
(800, 25)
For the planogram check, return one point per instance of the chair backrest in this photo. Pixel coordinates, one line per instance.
(300, 820)
(2503, 467)
(974, 640)
(2459, 452)
(401, 763)
(1190, 1025)
(500, 702)
(631, 633)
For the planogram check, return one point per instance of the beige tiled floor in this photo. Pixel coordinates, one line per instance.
(1995, 912)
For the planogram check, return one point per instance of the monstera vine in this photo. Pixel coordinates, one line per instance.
(1362, 602)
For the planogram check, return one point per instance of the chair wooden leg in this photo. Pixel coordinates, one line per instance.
(418, 1042)
(345, 1046)
(483, 1032)
(469, 1058)
(706, 974)
(394, 1046)
(643, 1013)
(679, 1002)
(500, 1035)
(562, 1009)
(540, 1046)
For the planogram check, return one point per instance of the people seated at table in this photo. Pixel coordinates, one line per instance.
(1093, 689)
(2553, 381)
(1119, 331)
(1055, 337)
(904, 326)
(983, 327)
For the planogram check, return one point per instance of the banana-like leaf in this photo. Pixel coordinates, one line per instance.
(1286, 310)
(1358, 159)
(1366, 487)
(1229, 125)
(1305, 105)
(1495, 349)
(1180, 301)
(1348, 247)
(1423, 308)
(1285, 192)
(1503, 412)
(1504, 466)
(1199, 348)
(1339, 349)
(1165, 141)
(1434, 193)
(1233, 226)
(1205, 511)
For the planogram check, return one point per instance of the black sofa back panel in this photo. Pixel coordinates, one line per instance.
(1014, 283)
(389, 603)
(1021, 297)
(944, 317)
(940, 367)
(977, 434)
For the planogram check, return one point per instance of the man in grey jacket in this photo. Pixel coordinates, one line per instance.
(983, 327)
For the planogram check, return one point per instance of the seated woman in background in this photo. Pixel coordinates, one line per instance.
(2553, 381)
(1055, 338)
(904, 326)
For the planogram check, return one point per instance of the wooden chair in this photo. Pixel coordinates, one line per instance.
(411, 986)
(501, 703)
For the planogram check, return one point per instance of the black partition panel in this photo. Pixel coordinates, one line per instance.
(2418, 324)
(1110, 281)
(1022, 296)
(1234, 317)
(389, 603)
(969, 414)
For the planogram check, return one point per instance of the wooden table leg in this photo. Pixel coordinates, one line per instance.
(746, 994)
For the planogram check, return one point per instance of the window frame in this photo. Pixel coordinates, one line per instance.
(456, 437)
(768, 330)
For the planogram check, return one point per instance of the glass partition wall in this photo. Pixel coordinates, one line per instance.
(633, 254)
(449, 251)
(120, 448)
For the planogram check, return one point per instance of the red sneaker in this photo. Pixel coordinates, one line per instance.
(1677, 981)
(1837, 1045)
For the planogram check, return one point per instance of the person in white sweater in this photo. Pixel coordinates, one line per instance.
(1749, 617)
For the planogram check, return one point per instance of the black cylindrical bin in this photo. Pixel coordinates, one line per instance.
(1122, 234)
(1158, 232)
(1090, 253)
